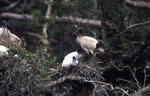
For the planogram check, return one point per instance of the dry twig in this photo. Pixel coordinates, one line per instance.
(13, 5)
(138, 5)
(134, 26)
(72, 77)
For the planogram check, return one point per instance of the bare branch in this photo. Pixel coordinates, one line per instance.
(134, 61)
(117, 67)
(134, 26)
(133, 74)
(142, 91)
(45, 27)
(12, 5)
(70, 19)
(138, 5)
(145, 76)
(63, 19)
(33, 34)
(72, 77)
(124, 92)
(16, 16)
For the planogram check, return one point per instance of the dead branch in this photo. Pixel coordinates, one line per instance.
(142, 91)
(13, 5)
(63, 19)
(45, 27)
(70, 19)
(33, 34)
(138, 5)
(134, 26)
(72, 77)
(90, 68)
(16, 16)
(124, 91)
(145, 89)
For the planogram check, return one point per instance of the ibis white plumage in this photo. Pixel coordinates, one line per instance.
(90, 44)
(71, 59)
(9, 39)
(3, 51)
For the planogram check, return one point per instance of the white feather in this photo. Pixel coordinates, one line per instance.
(68, 59)
(3, 50)
(89, 44)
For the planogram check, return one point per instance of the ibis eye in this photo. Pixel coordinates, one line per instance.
(74, 58)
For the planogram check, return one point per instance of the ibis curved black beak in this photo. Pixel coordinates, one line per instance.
(78, 31)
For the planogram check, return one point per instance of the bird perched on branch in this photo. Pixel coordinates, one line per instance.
(7, 38)
(72, 59)
(90, 44)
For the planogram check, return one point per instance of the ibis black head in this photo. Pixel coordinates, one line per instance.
(79, 31)
(79, 50)
(4, 24)
(100, 45)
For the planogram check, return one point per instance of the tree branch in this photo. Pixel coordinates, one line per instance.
(142, 91)
(45, 27)
(63, 19)
(138, 5)
(13, 5)
(70, 19)
(16, 16)
(33, 34)
(133, 26)
(72, 77)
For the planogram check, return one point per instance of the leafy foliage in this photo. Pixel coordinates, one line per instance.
(24, 74)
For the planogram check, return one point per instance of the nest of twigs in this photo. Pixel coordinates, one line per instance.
(82, 80)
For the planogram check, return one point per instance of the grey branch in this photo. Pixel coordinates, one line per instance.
(16, 16)
(13, 5)
(45, 27)
(133, 26)
(138, 5)
(70, 19)
(142, 92)
(71, 77)
(33, 34)
(64, 19)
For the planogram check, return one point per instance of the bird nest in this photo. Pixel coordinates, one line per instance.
(82, 80)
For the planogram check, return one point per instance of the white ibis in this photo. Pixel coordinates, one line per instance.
(71, 59)
(90, 44)
(9, 39)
